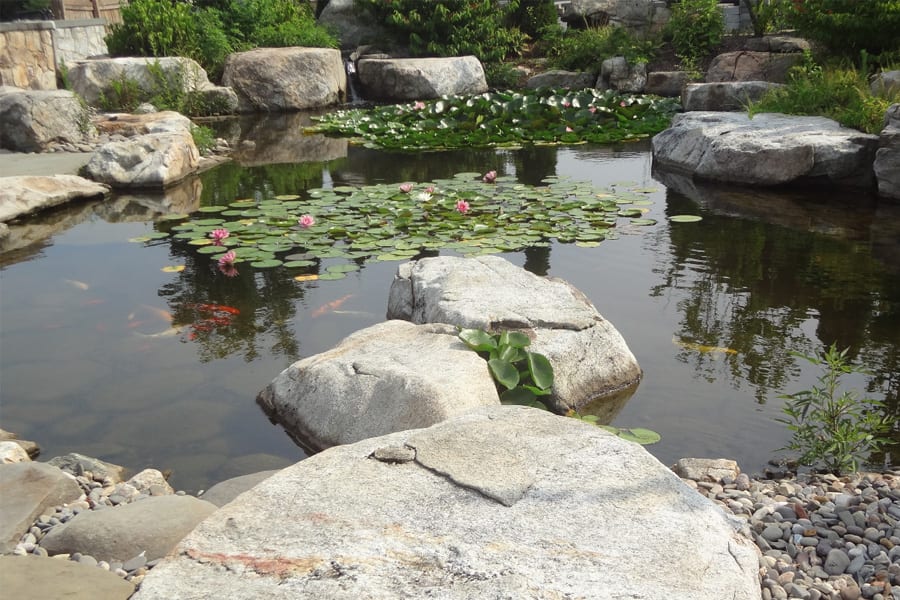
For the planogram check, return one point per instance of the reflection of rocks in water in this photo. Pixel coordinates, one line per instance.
(846, 215)
(607, 407)
(279, 138)
(148, 205)
(22, 240)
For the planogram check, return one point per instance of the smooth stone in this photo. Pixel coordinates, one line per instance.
(27, 490)
(836, 562)
(36, 577)
(225, 491)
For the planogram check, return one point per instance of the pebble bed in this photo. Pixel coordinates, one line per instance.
(821, 537)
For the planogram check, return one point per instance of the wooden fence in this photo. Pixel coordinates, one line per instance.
(67, 10)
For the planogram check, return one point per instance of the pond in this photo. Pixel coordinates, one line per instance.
(105, 353)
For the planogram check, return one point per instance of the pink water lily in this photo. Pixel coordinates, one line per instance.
(462, 206)
(490, 177)
(218, 235)
(306, 221)
(430, 189)
(592, 109)
(227, 259)
(569, 129)
(622, 103)
(406, 187)
(419, 105)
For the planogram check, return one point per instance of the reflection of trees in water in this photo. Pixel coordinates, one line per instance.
(751, 287)
(266, 301)
(229, 182)
(367, 166)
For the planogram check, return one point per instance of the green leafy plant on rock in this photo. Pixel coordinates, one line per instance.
(833, 429)
(696, 28)
(523, 376)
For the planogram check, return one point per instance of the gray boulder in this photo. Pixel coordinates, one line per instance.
(420, 78)
(561, 79)
(27, 490)
(886, 83)
(887, 158)
(666, 83)
(727, 96)
(11, 452)
(353, 24)
(225, 491)
(385, 378)
(130, 125)
(27, 194)
(153, 525)
(589, 357)
(617, 74)
(153, 160)
(37, 577)
(777, 43)
(706, 469)
(79, 464)
(39, 120)
(505, 502)
(95, 79)
(745, 65)
(769, 149)
(285, 79)
(640, 17)
(30, 447)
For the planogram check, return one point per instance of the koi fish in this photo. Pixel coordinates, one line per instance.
(703, 349)
(79, 284)
(330, 306)
(171, 331)
(162, 314)
(217, 308)
(354, 313)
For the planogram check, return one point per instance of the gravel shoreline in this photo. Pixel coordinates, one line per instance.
(820, 536)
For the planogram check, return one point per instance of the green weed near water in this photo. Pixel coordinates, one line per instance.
(833, 429)
(839, 92)
(504, 118)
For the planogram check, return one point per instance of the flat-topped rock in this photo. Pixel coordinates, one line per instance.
(403, 79)
(384, 378)
(589, 357)
(39, 120)
(38, 577)
(724, 96)
(27, 194)
(153, 160)
(505, 502)
(745, 65)
(769, 149)
(130, 125)
(286, 79)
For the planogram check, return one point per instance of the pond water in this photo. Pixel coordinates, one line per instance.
(90, 361)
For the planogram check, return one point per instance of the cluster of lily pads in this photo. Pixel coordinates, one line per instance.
(470, 213)
(504, 118)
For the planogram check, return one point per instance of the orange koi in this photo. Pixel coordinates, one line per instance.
(162, 314)
(217, 308)
(330, 306)
(79, 284)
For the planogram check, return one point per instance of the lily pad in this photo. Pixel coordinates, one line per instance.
(685, 218)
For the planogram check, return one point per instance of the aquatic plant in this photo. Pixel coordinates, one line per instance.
(833, 429)
(399, 221)
(504, 118)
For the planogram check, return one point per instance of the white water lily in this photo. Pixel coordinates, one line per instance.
(423, 196)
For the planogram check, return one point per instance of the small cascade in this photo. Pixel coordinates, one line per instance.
(353, 96)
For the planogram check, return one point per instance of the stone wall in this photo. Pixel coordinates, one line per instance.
(31, 50)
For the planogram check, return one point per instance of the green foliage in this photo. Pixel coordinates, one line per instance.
(208, 34)
(833, 429)
(696, 28)
(772, 15)
(846, 27)
(838, 92)
(533, 17)
(505, 118)
(521, 375)
(452, 27)
(204, 138)
(586, 49)
(124, 94)
(501, 76)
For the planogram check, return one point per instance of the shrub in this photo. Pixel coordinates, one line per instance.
(838, 92)
(696, 28)
(586, 49)
(273, 23)
(846, 27)
(451, 28)
(501, 76)
(532, 17)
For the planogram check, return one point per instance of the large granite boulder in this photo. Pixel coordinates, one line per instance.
(154, 160)
(777, 43)
(589, 357)
(27, 490)
(27, 194)
(153, 526)
(886, 83)
(887, 158)
(285, 79)
(353, 24)
(420, 78)
(573, 80)
(617, 74)
(769, 149)
(39, 120)
(505, 502)
(130, 125)
(745, 65)
(385, 378)
(95, 79)
(640, 17)
(725, 96)
(666, 83)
